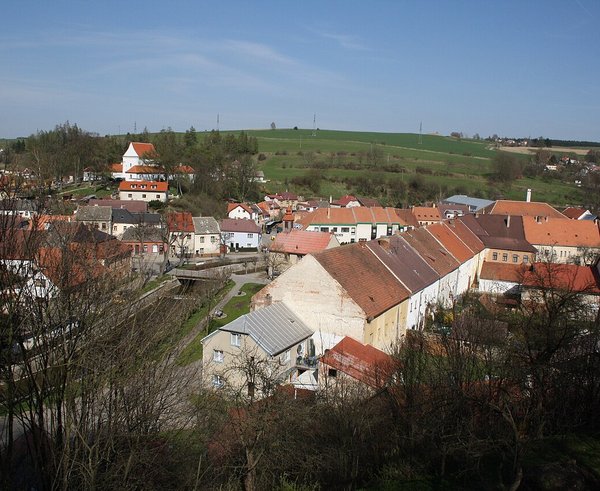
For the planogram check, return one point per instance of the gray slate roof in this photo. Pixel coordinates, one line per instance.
(148, 234)
(94, 213)
(474, 204)
(206, 225)
(274, 328)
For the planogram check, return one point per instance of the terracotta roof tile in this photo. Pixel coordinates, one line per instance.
(361, 362)
(300, 242)
(143, 149)
(451, 242)
(161, 186)
(180, 221)
(431, 251)
(502, 271)
(525, 209)
(569, 277)
(573, 213)
(562, 232)
(239, 225)
(366, 280)
(145, 169)
(426, 213)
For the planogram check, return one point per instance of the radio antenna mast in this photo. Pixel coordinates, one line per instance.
(314, 132)
(421, 133)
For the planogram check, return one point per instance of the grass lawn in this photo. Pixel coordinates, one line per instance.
(237, 306)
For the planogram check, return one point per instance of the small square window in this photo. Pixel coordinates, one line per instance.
(515, 258)
(236, 339)
(505, 257)
(218, 356)
(495, 256)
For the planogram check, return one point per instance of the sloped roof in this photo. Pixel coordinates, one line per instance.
(344, 200)
(132, 205)
(145, 169)
(465, 234)
(143, 149)
(275, 328)
(243, 206)
(475, 203)
(525, 209)
(431, 251)
(561, 232)
(44, 221)
(93, 213)
(426, 213)
(404, 262)
(369, 202)
(184, 169)
(366, 280)
(161, 186)
(206, 225)
(300, 242)
(575, 213)
(359, 361)
(569, 277)
(117, 167)
(239, 225)
(180, 221)
(352, 216)
(451, 242)
(143, 234)
(502, 271)
(498, 231)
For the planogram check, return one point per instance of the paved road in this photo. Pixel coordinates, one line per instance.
(239, 280)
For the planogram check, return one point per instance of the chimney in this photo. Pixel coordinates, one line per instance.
(330, 199)
(384, 242)
(508, 221)
(528, 199)
(268, 299)
(328, 212)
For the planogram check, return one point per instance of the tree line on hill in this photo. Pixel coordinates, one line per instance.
(225, 163)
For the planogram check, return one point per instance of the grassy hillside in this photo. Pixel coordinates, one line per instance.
(434, 167)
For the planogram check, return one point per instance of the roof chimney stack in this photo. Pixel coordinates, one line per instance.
(528, 199)
(508, 221)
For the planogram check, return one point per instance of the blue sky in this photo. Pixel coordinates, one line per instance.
(522, 68)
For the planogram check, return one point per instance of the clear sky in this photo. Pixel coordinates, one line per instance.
(515, 68)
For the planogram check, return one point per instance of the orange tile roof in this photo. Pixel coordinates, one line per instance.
(300, 242)
(573, 213)
(366, 280)
(352, 216)
(233, 206)
(344, 200)
(144, 149)
(466, 235)
(180, 221)
(116, 167)
(431, 251)
(145, 169)
(361, 362)
(502, 271)
(569, 277)
(426, 213)
(451, 242)
(525, 209)
(184, 169)
(136, 186)
(43, 221)
(561, 232)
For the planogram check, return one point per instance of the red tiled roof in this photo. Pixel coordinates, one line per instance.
(352, 216)
(43, 221)
(118, 167)
(426, 213)
(561, 232)
(239, 225)
(573, 213)
(570, 277)
(144, 149)
(466, 235)
(180, 221)
(366, 280)
(137, 186)
(525, 209)
(300, 242)
(451, 242)
(431, 251)
(361, 362)
(184, 169)
(233, 206)
(344, 200)
(145, 169)
(502, 271)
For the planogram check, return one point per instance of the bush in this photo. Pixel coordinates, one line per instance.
(262, 156)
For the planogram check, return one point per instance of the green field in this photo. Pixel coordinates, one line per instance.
(440, 165)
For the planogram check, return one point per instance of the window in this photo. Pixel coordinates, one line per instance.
(346, 229)
(154, 248)
(129, 195)
(145, 248)
(515, 258)
(285, 357)
(202, 240)
(525, 259)
(217, 380)
(324, 229)
(40, 283)
(353, 230)
(213, 239)
(332, 372)
(158, 196)
(103, 225)
(505, 257)
(250, 236)
(143, 195)
(153, 186)
(334, 229)
(236, 339)
(218, 356)
(495, 256)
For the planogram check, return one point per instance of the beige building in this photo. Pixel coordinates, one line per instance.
(267, 345)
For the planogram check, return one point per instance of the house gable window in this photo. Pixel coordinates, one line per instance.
(236, 339)
(218, 356)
